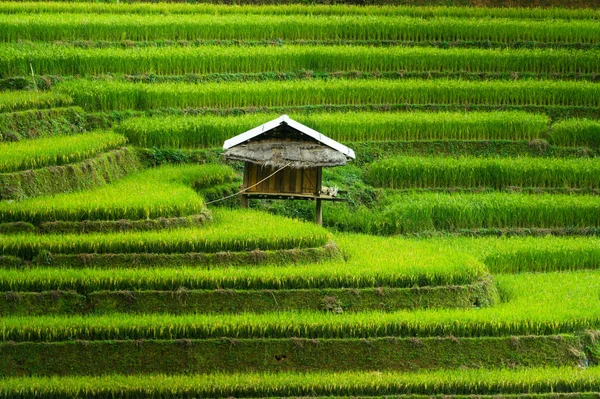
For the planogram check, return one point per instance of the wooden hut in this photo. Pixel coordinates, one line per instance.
(284, 160)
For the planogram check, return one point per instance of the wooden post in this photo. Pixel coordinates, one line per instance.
(244, 201)
(319, 212)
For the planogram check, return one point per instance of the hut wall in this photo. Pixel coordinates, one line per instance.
(287, 181)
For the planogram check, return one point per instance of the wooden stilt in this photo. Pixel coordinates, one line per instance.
(319, 213)
(244, 201)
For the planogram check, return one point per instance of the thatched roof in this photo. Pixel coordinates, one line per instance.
(283, 140)
(277, 153)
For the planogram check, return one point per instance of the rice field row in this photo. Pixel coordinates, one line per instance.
(235, 230)
(418, 213)
(111, 27)
(533, 304)
(368, 262)
(22, 100)
(528, 254)
(8, 7)
(177, 131)
(555, 382)
(103, 95)
(576, 132)
(46, 59)
(57, 150)
(166, 191)
(409, 172)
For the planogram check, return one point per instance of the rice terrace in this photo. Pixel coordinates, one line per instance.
(300, 199)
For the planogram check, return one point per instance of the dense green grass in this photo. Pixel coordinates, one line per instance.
(576, 132)
(296, 9)
(211, 131)
(529, 254)
(161, 192)
(410, 213)
(103, 95)
(498, 382)
(231, 231)
(70, 26)
(497, 173)
(369, 262)
(22, 100)
(56, 150)
(17, 59)
(535, 304)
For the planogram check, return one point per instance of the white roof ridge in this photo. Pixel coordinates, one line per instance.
(265, 127)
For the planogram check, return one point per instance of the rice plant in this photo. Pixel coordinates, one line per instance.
(47, 59)
(56, 150)
(576, 133)
(497, 173)
(231, 230)
(536, 382)
(111, 27)
(529, 254)
(211, 131)
(85, 7)
(369, 262)
(22, 100)
(535, 304)
(418, 213)
(165, 191)
(103, 95)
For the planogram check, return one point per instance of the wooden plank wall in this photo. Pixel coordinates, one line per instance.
(286, 181)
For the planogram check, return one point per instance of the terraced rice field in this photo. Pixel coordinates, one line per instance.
(464, 261)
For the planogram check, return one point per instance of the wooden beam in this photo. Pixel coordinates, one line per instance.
(319, 213)
(245, 201)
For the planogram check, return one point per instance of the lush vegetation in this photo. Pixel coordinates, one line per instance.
(212, 131)
(21, 100)
(477, 137)
(528, 308)
(56, 150)
(166, 191)
(495, 173)
(576, 132)
(417, 213)
(259, 231)
(296, 9)
(368, 262)
(101, 95)
(68, 26)
(449, 382)
(63, 60)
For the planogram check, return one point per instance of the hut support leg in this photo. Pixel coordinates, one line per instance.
(319, 213)
(244, 201)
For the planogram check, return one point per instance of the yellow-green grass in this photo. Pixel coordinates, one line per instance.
(497, 173)
(418, 213)
(534, 304)
(295, 9)
(177, 131)
(57, 150)
(368, 262)
(22, 100)
(529, 382)
(115, 95)
(48, 59)
(86, 26)
(231, 230)
(161, 192)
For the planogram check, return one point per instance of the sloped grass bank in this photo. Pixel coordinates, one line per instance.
(275, 355)
(88, 174)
